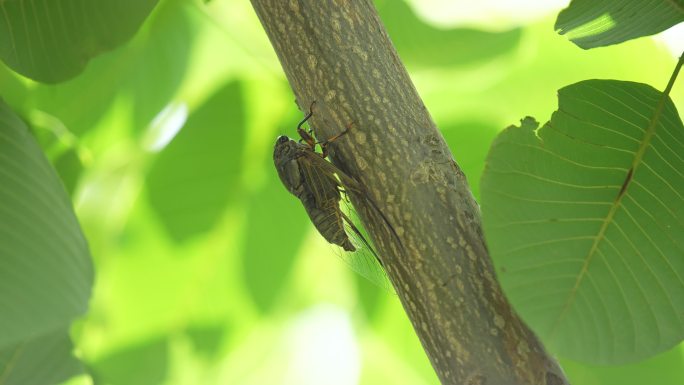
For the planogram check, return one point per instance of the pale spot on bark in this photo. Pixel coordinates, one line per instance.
(360, 53)
(499, 321)
(294, 6)
(399, 230)
(361, 162)
(311, 61)
(360, 137)
(476, 379)
(461, 241)
(460, 285)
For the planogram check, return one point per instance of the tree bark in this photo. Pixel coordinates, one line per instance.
(337, 53)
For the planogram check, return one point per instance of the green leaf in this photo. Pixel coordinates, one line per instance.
(145, 73)
(14, 90)
(207, 338)
(44, 360)
(469, 141)
(584, 220)
(198, 173)
(68, 165)
(146, 363)
(158, 69)
(275, 230)
(591, 24)
(59, 146)
(421, 44)
(53, 40)
(665, 367)
(45, 266)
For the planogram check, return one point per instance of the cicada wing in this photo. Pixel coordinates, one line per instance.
(329, 170)
(338, 177)
(364, 260)
(322, 177)
(319, 179)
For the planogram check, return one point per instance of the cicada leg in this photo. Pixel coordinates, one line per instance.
(324, 144)
(307, 135)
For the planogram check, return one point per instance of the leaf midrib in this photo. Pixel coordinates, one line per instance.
(636, 161)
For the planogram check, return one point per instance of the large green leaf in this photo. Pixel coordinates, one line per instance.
(45, 266)
(197, 174)
(53, 40)
(665, 367)
(44, 360)
(591, 23)
(584, 220)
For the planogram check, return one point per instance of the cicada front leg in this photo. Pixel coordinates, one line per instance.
(307, 136)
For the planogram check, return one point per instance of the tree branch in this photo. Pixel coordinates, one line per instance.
(338, 53)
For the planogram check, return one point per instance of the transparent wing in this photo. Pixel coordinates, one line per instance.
(364, 260)
(322, 176)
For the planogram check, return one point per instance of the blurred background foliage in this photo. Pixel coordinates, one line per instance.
(207, 270)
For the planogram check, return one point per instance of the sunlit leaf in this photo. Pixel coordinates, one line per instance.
(197, 174)
(590, 23)
(59, 148)
(13, 90)
(275, 230)
(148, 70)
(53, 40)
(45, 266)
(44, 360)
(583, 219)
(69, 167)
(421, 44)
(161, 64)
(207, 338)
(146, 363)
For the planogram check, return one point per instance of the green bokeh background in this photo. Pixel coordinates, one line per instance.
(207, 270)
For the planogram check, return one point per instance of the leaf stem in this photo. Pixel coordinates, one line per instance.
(670, 83)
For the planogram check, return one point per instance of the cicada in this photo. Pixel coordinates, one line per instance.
(319, 185)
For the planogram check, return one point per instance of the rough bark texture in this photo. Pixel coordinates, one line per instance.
(338, 53)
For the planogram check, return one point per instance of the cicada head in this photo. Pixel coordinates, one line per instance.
(283, 151)
(285, 159)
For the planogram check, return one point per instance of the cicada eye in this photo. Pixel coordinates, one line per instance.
(282, 139)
